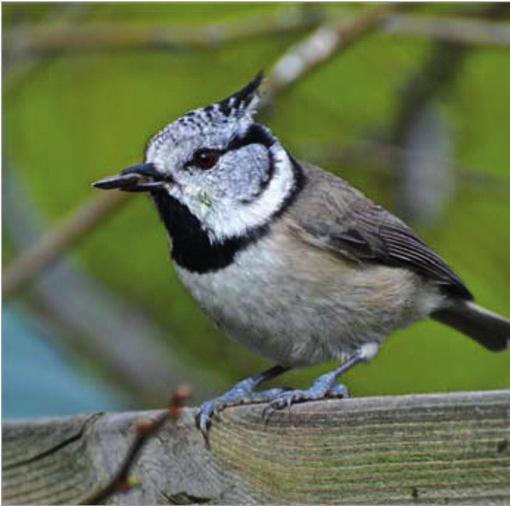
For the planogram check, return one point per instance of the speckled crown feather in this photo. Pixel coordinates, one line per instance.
(242, 103)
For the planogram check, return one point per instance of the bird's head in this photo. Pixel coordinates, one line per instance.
(229, 172)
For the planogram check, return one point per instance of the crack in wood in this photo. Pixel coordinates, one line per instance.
(54, 449)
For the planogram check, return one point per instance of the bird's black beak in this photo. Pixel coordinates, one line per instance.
(139, 178)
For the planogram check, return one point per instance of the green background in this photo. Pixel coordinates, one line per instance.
(80, 116)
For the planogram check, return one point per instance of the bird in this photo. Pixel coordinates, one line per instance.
(288, 259)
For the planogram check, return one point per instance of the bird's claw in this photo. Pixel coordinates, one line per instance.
(324, 387)
(319, 390)
(204, 417)
(242, 393)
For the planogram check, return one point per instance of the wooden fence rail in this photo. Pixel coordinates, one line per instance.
(441, 448)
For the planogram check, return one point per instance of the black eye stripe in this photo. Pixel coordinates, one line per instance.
(256, 134)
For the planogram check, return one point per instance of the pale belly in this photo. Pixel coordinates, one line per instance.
(304, 309)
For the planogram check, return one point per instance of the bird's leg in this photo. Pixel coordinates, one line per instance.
(325, 385)
(242, 393)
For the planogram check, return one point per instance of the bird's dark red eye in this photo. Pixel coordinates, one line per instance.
(206, 158)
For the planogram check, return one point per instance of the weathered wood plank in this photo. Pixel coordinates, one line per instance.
(442, 448)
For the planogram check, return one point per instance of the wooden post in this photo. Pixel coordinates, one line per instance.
(441, 448)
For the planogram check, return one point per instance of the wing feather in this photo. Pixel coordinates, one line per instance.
(341, 219)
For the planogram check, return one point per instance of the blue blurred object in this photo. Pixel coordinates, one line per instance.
(38, 381)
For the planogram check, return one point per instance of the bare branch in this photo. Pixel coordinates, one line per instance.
(473, 32)
(59, 239)
(45, 39)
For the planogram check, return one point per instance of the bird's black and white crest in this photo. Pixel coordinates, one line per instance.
(243, 99)
(227, 179)
(239, 107)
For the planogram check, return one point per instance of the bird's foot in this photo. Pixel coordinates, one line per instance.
(242, 393)
(325, 386)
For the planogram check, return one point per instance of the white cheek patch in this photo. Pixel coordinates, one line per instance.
(227, 220)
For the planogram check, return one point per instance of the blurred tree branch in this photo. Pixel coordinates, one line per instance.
(440, 68)
(426, 181)
(61, 238)
(320, 47)
(44, 40)
(15, 62)
(51, 39)
(472, 32)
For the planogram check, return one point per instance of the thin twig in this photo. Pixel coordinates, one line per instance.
(473, 32)
(26, 46)
(145, 429)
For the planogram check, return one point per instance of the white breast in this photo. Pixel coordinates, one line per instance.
(244, 299)
(304, 307)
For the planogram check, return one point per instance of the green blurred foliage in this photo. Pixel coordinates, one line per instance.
(79, 117)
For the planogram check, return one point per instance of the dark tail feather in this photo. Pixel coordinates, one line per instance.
(489, 329)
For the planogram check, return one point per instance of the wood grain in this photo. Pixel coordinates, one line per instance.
(437, 449)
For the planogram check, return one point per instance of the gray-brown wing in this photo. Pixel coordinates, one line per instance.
(341, 219)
